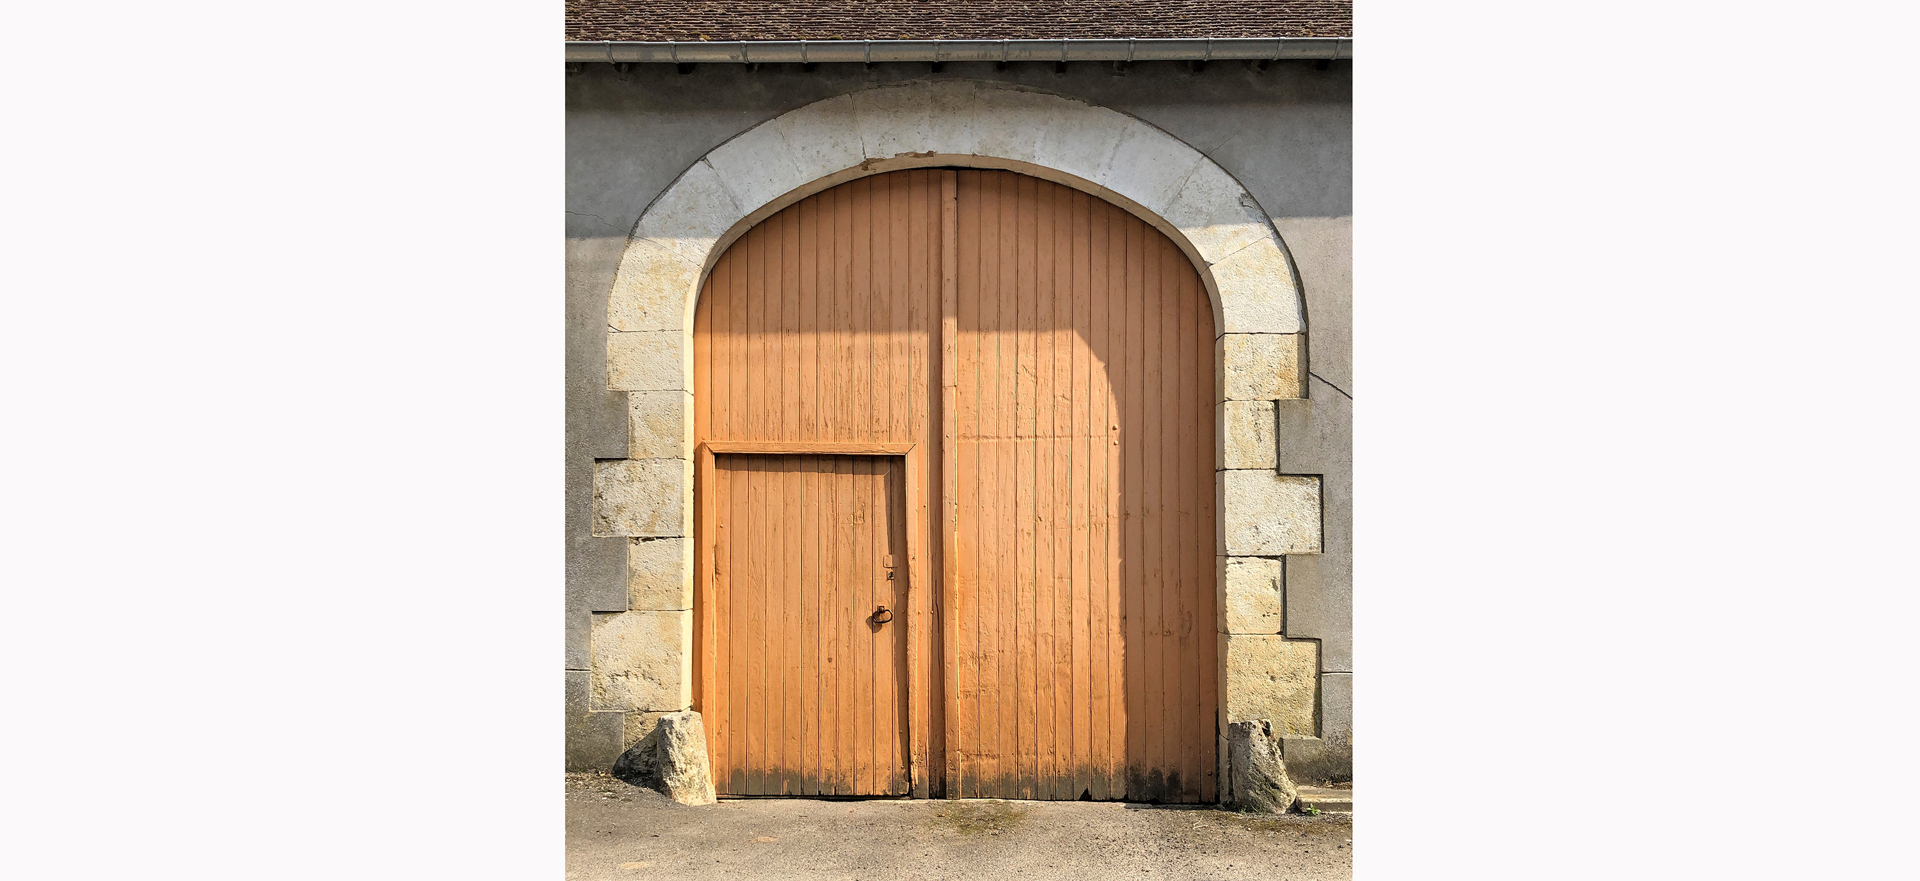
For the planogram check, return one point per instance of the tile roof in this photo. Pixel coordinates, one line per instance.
(695, 20)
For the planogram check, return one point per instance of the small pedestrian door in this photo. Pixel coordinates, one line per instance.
(808, 553)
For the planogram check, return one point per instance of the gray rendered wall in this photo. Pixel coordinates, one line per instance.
(1285, 133)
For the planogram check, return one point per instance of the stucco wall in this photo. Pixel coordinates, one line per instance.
(1284, 133)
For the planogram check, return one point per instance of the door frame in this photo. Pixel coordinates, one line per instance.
(920, 610)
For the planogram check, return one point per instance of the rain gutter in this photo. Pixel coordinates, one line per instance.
(940, 51)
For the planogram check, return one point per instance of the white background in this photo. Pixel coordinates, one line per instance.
(281, 346)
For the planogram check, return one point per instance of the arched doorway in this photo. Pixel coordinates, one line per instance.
(955, 508)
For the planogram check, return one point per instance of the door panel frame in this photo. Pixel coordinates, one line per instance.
(919, 610)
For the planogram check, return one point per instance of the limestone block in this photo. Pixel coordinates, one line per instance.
(1274, 678)
(1248, 438)
(652, 290)
(821, 138)
(1257, 778)
(1269, 515)
(659, 574)
(755, 168)
(659, 425)
(1257, 290)
(691, 215)
(1216, 214)
(1148, 166)
(1260, 366)
(952, 117)
(892, 120)
(1010, 122)
(672, 758)
(653, 360)
(641, 661)
(641, 497)
(1254, 601)
(1080, 138)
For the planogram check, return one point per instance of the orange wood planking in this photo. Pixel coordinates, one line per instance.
(1037, 363)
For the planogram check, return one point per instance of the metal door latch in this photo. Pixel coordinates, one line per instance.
(881, 615)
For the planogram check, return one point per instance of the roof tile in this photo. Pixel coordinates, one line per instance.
(728, 20)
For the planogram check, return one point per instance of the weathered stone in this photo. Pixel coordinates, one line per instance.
(1216, 214)
(1148, 167)
(641, 497)
(671, 758)
(652, 360)
(1248, 440)
(652, 289)
(1255, 603)
(1081, 142)
(1257, 291)
(1270, 515)
(692, 215)
(1256, 776)
(1261, 366)
(659, 425)
(1274, 678)
(659, 574)
(892, 120)
(640, 661)
(755, 168)
(821, 138)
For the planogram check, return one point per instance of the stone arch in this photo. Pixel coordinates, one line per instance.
(1259, 320)
(1121, 159)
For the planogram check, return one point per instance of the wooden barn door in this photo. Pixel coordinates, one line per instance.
(1083, 453)
(814, 334)
(1036, 369)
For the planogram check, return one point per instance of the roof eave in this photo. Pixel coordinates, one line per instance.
(873, 51)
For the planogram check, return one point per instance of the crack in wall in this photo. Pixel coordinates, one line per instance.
(1336, 388)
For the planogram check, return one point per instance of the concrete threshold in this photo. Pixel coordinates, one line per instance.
(1327, 800)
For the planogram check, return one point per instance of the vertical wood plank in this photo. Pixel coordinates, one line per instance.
(862, 584)
(1172, 264)
(1044, 680)
(1133, 555)
(1008, 497)
(1080, 431)
(1153, 500)
(792, 637)
(1060, 650)
(960, 416)
(1184, 536)
(1104, 554)
(948, 447)
(790, 341)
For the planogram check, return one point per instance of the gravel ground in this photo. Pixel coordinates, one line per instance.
(617, 830)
